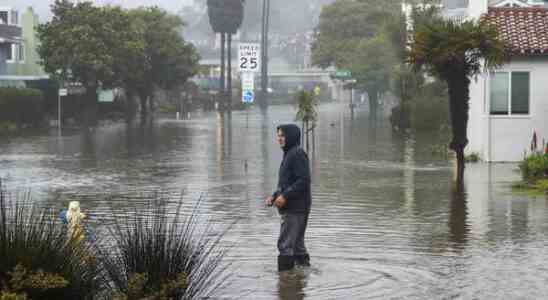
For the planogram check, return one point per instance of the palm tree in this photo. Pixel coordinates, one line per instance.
(455, 52)
(226, 17)
(307, 114)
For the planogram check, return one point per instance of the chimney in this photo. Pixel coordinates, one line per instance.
(476, 8)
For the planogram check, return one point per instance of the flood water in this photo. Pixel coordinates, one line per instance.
(385, 222)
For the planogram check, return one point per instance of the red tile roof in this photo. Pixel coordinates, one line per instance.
(524, 29)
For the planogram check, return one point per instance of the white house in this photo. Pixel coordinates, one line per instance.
(510, 103)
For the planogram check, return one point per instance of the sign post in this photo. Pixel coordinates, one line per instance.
(249, 62)
(62, 93)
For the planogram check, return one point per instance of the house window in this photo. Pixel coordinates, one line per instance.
(10, 53)
(14, 18)
(3, 17)
(510, 93)
(21, 54)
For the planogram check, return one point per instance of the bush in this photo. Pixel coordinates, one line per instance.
(22, 106)
(429, 108)
(37, 260)
(534, 167)
(473, 157)
(162, 256)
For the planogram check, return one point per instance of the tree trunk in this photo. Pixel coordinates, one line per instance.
(144, 109)
(373, 103)
(90, 106)
(229, 74)
(130, 105)
(264, 55)
(459, 98)
(222, 87)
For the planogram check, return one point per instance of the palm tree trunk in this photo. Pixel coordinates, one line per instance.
(222, 87)
(459, 97)
(229, 74)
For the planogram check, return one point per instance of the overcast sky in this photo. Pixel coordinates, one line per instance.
(42, 7)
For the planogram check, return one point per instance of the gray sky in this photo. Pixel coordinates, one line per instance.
(42, 7)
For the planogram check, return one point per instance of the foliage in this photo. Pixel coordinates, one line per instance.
(444, 47)
(4, 295)
(37, 260)
(86, 41)
(21, 106)
(163, 60)
(473, 157)
(162, 254)
(306, 107)
(225, 15)
(428, 107)
(351, 35)
(137, 288)
(534, 167)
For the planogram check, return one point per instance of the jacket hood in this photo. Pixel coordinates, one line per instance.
(292, 135)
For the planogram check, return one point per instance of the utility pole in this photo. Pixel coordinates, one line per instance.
(264, 54)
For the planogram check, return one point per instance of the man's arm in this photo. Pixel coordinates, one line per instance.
(301, 170)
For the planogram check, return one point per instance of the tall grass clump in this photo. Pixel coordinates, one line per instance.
(162, 254)
(37, 258)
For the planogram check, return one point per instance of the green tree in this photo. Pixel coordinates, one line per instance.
(350, 36)
(455, 52)
(307, 113)
(163, 59)
(86, 41)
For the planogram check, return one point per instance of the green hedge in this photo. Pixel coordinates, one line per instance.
(22, 106)
(534, 167)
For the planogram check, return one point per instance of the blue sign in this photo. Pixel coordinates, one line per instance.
(248, 96)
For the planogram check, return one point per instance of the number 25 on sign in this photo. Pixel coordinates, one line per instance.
(249, 57)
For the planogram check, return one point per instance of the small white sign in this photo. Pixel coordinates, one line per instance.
(248, 81)
(249, 55)
(63, 92)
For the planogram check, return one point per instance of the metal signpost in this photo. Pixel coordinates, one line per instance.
(62, 93)
(249, 63)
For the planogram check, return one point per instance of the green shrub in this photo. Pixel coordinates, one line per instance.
(161, 255)
(534, 167)
(429, 108)
(472, 157)
(36, 257)
(22, 106)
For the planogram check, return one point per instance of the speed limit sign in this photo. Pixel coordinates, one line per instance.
(249, 57)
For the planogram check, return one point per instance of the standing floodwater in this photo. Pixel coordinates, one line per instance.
(385, 221)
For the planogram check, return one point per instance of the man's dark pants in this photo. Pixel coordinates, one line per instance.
(291, 241)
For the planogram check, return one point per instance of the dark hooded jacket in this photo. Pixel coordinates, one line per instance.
(294, 174)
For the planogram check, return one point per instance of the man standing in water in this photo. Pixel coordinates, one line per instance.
(292, 198)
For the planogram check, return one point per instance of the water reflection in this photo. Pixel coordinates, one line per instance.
(458, 221)
(291, 285)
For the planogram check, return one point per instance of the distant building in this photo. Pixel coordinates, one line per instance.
(10, 38)
(19, 61)
(508, 104)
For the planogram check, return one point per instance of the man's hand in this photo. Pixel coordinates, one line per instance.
(269, 201)
(280, 201)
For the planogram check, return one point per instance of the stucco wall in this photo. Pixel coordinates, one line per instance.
(506, 138)
(30, 66)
